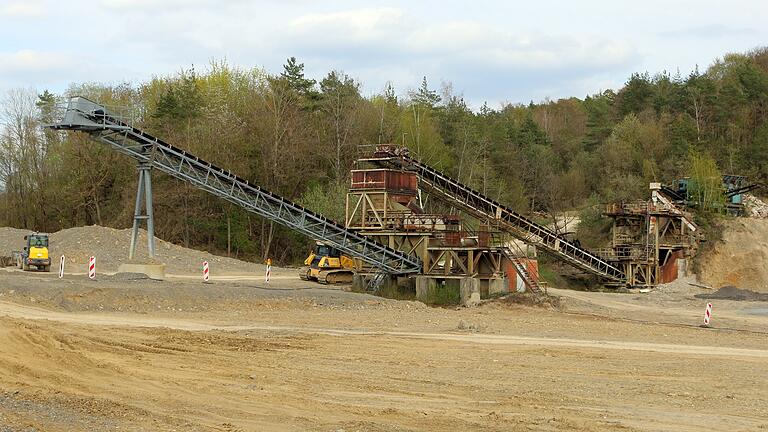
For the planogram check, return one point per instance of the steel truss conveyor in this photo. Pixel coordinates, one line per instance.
(451, 191)
(84, 115)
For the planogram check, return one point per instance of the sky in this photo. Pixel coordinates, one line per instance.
(491, 51)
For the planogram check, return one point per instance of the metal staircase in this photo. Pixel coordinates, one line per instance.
(451, 191)
(84, 115)
(530, 281)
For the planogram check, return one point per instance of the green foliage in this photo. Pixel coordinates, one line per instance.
(446, 293)
(181, 99)
(599, 121)
(328, 199)
(298, 137)
(636, 95)
(594, 229)
(424, 96)
(293, 74)
(705, 187)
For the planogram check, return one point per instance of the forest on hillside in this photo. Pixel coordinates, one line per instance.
(298, 137)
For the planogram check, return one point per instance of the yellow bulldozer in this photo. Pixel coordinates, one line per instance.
(327, 265)
(35, 253)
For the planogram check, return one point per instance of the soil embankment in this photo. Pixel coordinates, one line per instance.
(740, 258)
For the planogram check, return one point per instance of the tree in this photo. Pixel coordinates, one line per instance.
(23, 159)
(424, 96)
(388, 114)
(706, 184)
(340, 107)
(636, 95)
(600, 121)
(293, 74)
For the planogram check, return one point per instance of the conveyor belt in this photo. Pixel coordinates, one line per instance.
(84, 115)
(474, 203)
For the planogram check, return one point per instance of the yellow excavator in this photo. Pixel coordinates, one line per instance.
(327, 265)
(35, 253)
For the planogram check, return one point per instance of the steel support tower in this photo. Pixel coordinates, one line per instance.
(143, 193)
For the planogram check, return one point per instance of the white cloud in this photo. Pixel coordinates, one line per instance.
(357, 24)
(25, 9)
(483, 61)
(385, 32)
(25, 62)
(156, 5)
(490, 49)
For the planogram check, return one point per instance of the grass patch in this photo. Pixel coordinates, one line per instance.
(442, 294)
(396, 292)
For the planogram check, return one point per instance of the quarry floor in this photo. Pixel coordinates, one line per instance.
(236, 355)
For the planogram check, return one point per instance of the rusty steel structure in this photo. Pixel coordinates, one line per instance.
(384, 204)
(495, 214)
(651, 240)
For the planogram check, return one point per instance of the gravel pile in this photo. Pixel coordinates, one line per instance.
(110, 247)
(11, 239)
(733, 293)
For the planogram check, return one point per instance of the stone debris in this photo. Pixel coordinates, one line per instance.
(755, 207)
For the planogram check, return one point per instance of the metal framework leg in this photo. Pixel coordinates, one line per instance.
(143, 189)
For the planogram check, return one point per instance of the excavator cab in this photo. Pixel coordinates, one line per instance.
(327, 265)
(35, 253)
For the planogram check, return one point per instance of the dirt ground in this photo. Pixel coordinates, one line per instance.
(238, 355)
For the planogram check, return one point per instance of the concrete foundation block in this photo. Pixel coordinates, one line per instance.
(153, 271)
(425, 287)
(358, 283)
(498, 286)
(469, 291)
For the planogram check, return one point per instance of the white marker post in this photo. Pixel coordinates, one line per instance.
(61, 267)
(707, 314)
(92, 268)
(269, 270)
(206, 275)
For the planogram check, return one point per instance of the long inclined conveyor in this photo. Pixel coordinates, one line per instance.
(451, 191)
(84, 115)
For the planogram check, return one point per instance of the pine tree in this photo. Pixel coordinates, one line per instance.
(424, 96)
(293, 73)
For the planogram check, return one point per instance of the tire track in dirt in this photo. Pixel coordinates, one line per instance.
(26, 312)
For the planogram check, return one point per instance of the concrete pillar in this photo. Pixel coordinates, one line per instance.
(424, 288)
(469, 291)
(498, 286)
(358, 283)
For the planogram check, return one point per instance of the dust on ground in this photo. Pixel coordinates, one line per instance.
(141, 355)
(132, 354)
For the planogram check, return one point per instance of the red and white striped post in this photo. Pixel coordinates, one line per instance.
(206, 274)
(269, 269)
(707, 314)
(92, 268)
(61, 267)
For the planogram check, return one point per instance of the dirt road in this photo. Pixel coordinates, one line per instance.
(238, 357)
